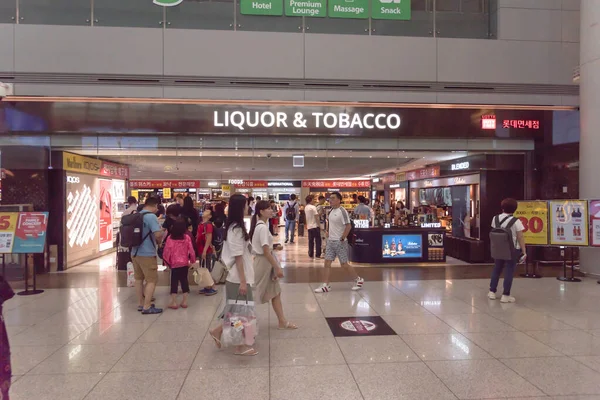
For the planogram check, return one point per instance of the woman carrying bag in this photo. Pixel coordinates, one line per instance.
(267, 270)
(237, 257)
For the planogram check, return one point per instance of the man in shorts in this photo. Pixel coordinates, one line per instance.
(145, 265)
(339, 226)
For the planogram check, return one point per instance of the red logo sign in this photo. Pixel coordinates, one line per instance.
(337, 184)
(488, 122)
(423, 173)
(114, 170)
(164, 184)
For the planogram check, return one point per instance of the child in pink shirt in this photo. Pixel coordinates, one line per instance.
(178, 255)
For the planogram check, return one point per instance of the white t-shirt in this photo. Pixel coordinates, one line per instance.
(311, 216)
(517, 227)
(338, 219)
(261, 237)
(236, 246)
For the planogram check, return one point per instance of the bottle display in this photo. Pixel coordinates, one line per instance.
(570, 222)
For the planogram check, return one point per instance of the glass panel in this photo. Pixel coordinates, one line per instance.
(55, 12)
(337, 25)
(202, 14)
(472, 20)
(267, 23)
(8, 11)
(134, 13)
(420, 24)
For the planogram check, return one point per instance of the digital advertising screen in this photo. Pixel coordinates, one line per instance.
(402, 246)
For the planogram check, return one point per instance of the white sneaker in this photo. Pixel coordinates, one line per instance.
(323, 289)
(492, 296)
(507, 299)
(358, 283)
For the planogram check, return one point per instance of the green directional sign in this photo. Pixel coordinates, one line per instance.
(353, 9)
(390, 9)
(168, 3)
(306, 8)
(261, 7)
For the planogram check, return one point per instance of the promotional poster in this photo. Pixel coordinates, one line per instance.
(595, 222)
(106, 215)
(534, 216)
(82, 205)
(23, 232)
(402, 246)
(569, 222)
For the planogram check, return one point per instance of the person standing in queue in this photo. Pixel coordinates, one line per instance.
(189, 211)
(236, 254)
(314, 230)
(144, 261)
(179, 254)
(204, 247)
(267, 270)
(132, 205)
(339, 226)
(291, 212)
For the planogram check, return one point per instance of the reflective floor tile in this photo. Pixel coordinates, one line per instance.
(451, 346)
(300, 311)
(303, 351)
(375, 349)
(158, 356)
(360, 308)
(404, 308)
(313, 382)
(189, 315)
(209, 357)
(47, 335)
(175, 332)
(448, 306)
(510, 344)
(417, 325)
(413, 381)
(557, 376)
(127, 314)
(163, 385)
(25, 358)
(529, 320)
(82, 358)
(54, 387)
(480, 379)
(585, 320)
(307, 328)
(234, 384)
(105, 332)
(570, 343)
(591, 361)
(475, 323)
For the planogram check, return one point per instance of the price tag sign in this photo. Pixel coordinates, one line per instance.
(534, 216)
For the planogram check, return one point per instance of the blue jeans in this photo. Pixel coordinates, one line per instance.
(509, 270)
(290, 226)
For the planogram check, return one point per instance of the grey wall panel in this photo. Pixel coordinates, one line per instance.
(485, 98)
(29, 89)
(563, 58)
(233, 94)
(7, 47)
(77, 49)
(529, 24)
(570, 26)
(228, 53)
(365, 96)
(370, 57)
(501, 61)
(531, 4)
(571, 5)
(570, 101)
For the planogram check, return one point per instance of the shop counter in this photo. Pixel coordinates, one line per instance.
(398, 245)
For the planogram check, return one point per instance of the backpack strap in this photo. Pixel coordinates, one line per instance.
(145, 237)
(512, 222)
(499, 223)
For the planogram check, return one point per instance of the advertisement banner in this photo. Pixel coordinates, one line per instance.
(241, 183)
(569, 222)
(306, 8)
(106, 215)
(337, 184)
(391, 9)
(225, 190)
(402, 246)
(8, 223)
(423, 173)
(82, 205)
(595, 223)
(30, 234)
(163, 184)
(88, 165)
(167, 193)
(261, 7)
(355, 9)
(534, 216)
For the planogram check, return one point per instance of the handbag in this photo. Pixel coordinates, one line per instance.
(130, 275)
(240, 326)
(219, 271)
(202, 277)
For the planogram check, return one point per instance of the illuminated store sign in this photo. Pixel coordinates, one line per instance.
(521, 124)
(73, 179)
(336, 184)
(243, 120)
(163, 184)
(213, 184)
(488, 122)
(431, 225)
(395, 186)
(460, 166)
(423, 173)
(361, 223)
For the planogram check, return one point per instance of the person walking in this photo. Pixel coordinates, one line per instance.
(506, 228)
(179, 254)
(236, 254)
(267, 270)
(291, 212)
(339, 226)
(205, 248)
(313, 226)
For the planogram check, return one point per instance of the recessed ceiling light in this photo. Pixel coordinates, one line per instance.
(278, 155)
(388, 156)
(333, 156)
(370, 156)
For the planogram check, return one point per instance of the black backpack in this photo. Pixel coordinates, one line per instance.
(217, 238)
(131, 230)
(502, 244)
(290, 213)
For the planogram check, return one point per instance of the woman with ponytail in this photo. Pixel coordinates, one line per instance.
(267, 270)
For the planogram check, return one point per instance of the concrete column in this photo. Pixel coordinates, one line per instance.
(589, 147)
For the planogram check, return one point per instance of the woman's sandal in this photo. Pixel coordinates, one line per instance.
(217, 341)
(289, 326)
(248, 352)
(174, 307)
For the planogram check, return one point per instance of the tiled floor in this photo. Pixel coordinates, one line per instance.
(451, 342)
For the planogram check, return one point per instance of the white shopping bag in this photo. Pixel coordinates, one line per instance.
(130, 275)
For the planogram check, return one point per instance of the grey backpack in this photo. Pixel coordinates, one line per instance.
(502, 244)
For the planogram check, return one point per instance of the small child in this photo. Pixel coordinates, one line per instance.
(179, 254)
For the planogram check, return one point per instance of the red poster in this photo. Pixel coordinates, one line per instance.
(106, 211)
(337, 184)
(164, 184)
